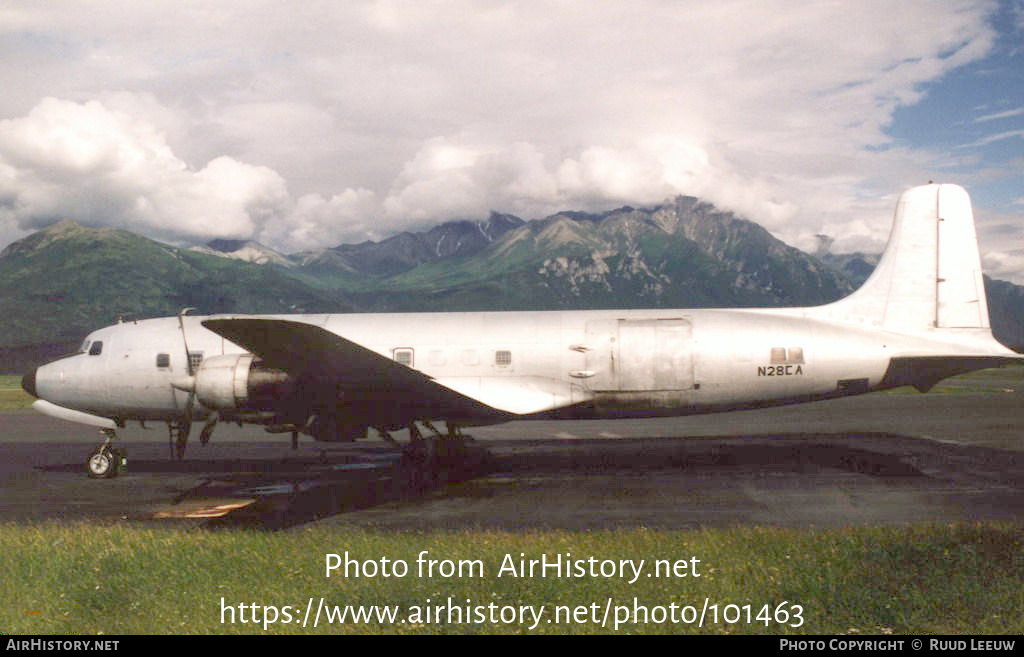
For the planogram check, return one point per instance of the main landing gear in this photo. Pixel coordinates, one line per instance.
(177, 438)
(431, 461)
(107, 461)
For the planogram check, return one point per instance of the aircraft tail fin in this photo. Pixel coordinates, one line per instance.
(930, 274)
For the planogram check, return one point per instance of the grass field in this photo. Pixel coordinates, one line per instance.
(11, 395)
(83, 579)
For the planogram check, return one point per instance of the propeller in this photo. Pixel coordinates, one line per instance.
(211, 422)
(189, 385)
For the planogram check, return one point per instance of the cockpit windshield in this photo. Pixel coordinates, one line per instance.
(91, 347)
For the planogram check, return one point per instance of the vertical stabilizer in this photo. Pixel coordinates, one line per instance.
(960, 287)
(930, 274)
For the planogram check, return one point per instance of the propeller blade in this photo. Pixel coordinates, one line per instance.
(211, 422)
(186, 384)
(185, 427)
(186, 420)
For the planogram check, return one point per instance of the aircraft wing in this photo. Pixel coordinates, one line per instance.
(315, 354)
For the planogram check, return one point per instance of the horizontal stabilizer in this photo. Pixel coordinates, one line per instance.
(923, 372)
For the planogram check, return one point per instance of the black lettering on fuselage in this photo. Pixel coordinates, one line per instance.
(780, 370)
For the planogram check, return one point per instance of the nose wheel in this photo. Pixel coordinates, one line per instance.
(107, 461)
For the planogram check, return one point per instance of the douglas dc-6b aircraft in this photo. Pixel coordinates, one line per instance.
(921, 316)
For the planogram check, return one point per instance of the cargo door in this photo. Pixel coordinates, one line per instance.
(640, 364)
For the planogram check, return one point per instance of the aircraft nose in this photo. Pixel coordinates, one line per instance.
(28, 382)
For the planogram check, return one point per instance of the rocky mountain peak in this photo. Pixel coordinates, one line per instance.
(244, 250)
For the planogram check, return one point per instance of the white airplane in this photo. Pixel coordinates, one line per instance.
(921, 316)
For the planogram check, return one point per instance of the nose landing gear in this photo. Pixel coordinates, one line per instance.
(107, 461)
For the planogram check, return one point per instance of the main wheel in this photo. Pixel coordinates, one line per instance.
(102, 464)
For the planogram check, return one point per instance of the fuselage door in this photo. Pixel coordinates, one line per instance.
(628, 355)
(655, 354)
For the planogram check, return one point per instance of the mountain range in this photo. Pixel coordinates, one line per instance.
(66, 280)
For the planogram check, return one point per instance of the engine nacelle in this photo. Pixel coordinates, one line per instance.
(239, 381)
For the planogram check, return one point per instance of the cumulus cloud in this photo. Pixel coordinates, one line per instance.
(318, 222)
(1004, 259)
(460, 178)
(83, 161)
(355, 120)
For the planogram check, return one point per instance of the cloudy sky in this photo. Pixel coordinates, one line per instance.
(308, 124)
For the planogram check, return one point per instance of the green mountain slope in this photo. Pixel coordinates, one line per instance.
(66, 280)
(684, 254)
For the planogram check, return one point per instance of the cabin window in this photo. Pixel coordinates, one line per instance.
(96, 349)
(503, 357)
(791, 356)
(404, 356)
(163, 360)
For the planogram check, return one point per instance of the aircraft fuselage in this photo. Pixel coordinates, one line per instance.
(597, 363)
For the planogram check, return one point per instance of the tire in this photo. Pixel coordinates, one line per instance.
(102, 464)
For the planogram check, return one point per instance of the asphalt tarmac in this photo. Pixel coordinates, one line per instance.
(875, 459)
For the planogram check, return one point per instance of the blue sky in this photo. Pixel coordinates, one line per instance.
(973, 119)
(305, 125)
(975, 114)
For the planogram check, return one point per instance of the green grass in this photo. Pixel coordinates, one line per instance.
(11, 394)
(935, 579)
